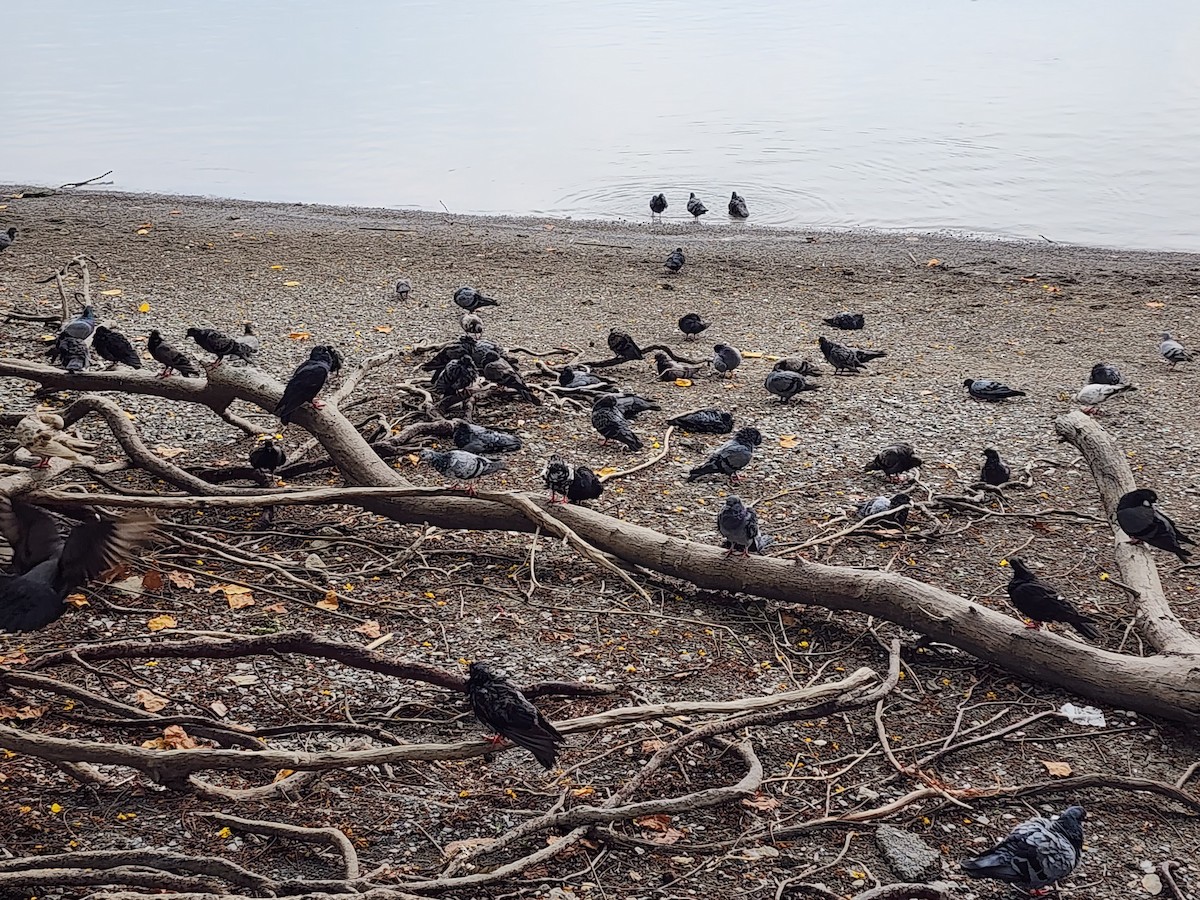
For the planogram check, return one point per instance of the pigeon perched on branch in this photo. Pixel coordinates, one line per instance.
(115, 348)
(1144, 522)
(306, 382)
(72, 352)
(82, 326)
(459, 465)
(500, 705)
(219, 344)
(1040, 602)
(170, 358)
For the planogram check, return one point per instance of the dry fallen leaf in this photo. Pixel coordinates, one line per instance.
(670, 836)
(751, 354)
(787, 441)
(143, 231)
(152, 580)
(238, 596)
(656, 822)
(144, 307)
(933, 262)
(149, 700)
(219, 708)
(242, 680)
(454, 848)
(384, 329)
(24, 712)
(282, 774)
(173, 738)
(607, 470)
(77, 600)
(300, 335)
(761, 802)
(182, 579)
(277, 268)
(329, 601)
(169, 452)
(1057, 769)
(111, 292)
(683, 382)
(585, 791)
(158, 623)
(291, 284)
(370, 629)
(1154, 304)
(652, 746)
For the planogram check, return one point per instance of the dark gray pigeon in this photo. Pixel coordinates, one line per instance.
(901, 503)
(570, 377)
(500, 371)
(1105, 373)
(691, 325)
(459, 465)
(1039, 601)
(613, 426)
(631, 405)
(675, 260)
(658, 204)
(846, 321)
(1173, 351)
(994, 471)
(456, 379)
(624, 346)
(865, 356)
(893, 460)
(799, 365)
(725, 359)
(498, 704)
(82, 326)
(1146, 523)
(987, 390)
(403, 288)
(737, 207)
(249, 341)
(731, 457)
(115, 347)
(219, 344)
(268, 456)
(841, 357)
(470, 299)
(477, 439)
(669, 370)
(7, 238)
(786, 385)
(1035, 854)
(72, 352)
(695, 207)
(171, 359)
(738, 524)
(305, 383)
(704, 421)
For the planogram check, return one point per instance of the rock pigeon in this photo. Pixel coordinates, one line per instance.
(499, 371)
(72, 352)
(631, 405)
(7, 238)
(471, 324)
(82, 325)
(1035, 854)
(865, 356)
(801, 366)
(893, 460)
(695, 207)
(737, 207)
(456, 378)
(306, 382)
(470, 299)
(994, 472)
(1173, 351)
(731, 457)
(171, 359)
(669, 370)
(249, 341)
(1040, 602)
(623, 346)
(573, 484)
(403, 288)
(725, 359)
(336, 360)
(675, 260)
(613, 426)
(267, 456)
(218, 344)
(459, 465)
(704, 421)
(500, 705)
(585, 486)
(846, 321)
(786, 385)
(986, 390)
(841, 357)
(691, 325)
(658, 204)
(570, 377)
(1144, 522)
(477, 439)
(43, 434)
(738, 524)
(1105, 373)
(115, 348)
(1090, 396)
(901, 503)
(46, 568)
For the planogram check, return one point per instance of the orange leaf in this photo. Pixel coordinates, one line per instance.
(652, 746)
(657, 822)
(384, 329)
(330, 601)
(370, 629)
(158, 623)
(933, 262)
(1057, 769)
(787, 441)
(76, 600)
(152, 580)
(150, 701)
(683, 382)
(300, 335)
(282, 774)
(182, 579)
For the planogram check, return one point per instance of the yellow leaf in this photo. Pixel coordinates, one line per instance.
(933, 262)
(143, 231)
(329, 601)
(384, 329)
(114, 292)
(282, 774)
(683, 382)
(607, 470)
(751, 354)
(291, 284)
(55, 808)
(787, 441)
(144, 307)
(225, 833)
(300, 335)
(1057, 769)
(238, 596)
(583, 791)
(158, 623)
(150, 701)
(77, 600)
(277, 268)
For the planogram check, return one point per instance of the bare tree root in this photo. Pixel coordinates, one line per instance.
(329, 836)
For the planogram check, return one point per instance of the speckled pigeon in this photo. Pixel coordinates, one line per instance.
(1035, 854)
(500, 705)
(477, 439)
(988, 390)
(731, 457)
(846, 321)
(1105, 373)
(901, 503)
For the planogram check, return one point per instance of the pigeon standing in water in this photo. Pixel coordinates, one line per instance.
(1146, 523)
(306, 382)
(72, 352)
(1090, 396)
(1105, 373)
(267, 456)
(500, 705)
(738, 524)
(786, 385)
(900, 503)
(692, 325)
(623, 346)
(894, 460)
(1173, 351)
(675, 260)
(471, 324)
(46, 569)
(846, 321)
(459, 465)
(737, 207)
(704, 421)
(470, 299)
(695, 207)
(7, 238)
(841, 357)
(731, 457)
(477, 439)
(725, 359)
(994, 471)
(612, 425)
(1035, 854)
(171, 359)
(658, 204)
(987, 390)
(1040, 602)
(219, 344)
(115, 347)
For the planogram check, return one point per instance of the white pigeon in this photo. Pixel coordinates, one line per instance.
(42, 434)
(1090, 396)
(1173, 351)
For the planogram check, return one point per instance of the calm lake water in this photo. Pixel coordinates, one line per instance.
(1075, 119)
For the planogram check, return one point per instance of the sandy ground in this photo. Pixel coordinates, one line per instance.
(1034, 315)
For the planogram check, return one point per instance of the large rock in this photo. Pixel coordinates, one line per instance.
(908, 856)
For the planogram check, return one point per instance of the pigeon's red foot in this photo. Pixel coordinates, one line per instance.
(729, 552)
(471, 490)
(43, 463)
(745, 552)
(164, 373)
(1039, 892)
(318, 404)
(1033, 626)
(496, 740)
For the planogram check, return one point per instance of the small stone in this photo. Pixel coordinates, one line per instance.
(1152, 884)
(908, 856)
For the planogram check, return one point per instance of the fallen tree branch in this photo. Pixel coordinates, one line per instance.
(329, 836)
